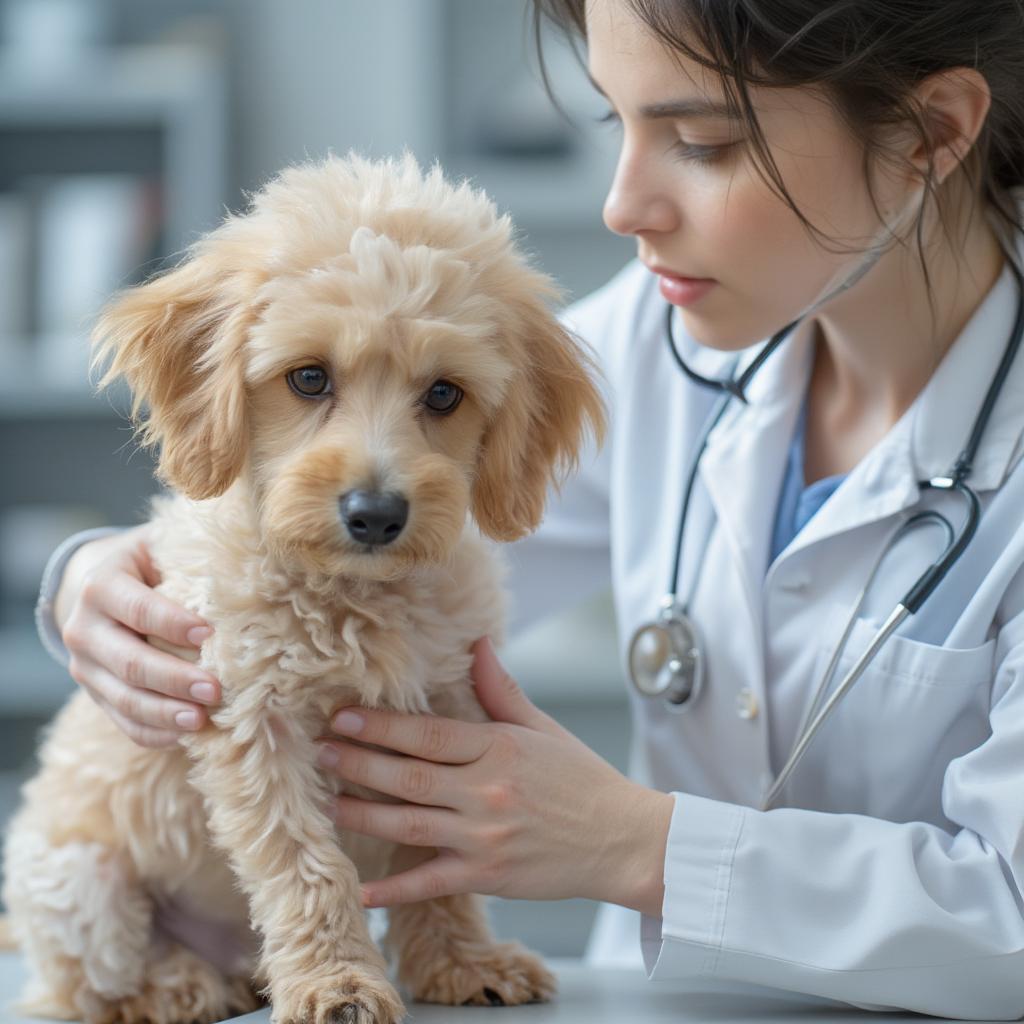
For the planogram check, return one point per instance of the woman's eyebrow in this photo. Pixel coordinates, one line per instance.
(676, 109)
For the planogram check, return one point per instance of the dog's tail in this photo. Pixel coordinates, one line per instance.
(7, 940)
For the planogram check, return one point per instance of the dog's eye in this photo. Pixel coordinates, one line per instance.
(309, 381)
(442, 396)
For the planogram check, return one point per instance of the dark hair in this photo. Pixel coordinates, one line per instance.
(866, 54)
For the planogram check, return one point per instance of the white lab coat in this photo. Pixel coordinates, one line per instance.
(891, 874)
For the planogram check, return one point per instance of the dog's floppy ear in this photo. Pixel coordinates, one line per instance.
(539, 428)
(177, 341)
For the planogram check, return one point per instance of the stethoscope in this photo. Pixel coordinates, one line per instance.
(666, 657)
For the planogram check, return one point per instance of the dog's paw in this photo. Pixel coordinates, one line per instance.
(180, 988)
(493, 975)
(353, 994)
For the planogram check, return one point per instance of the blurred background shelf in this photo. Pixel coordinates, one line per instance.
(24, 394)
(128, 128)
(158, 110)
(42, 684)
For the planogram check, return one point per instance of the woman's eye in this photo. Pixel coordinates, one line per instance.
(309, 381)
(699, 154)
(442, 396)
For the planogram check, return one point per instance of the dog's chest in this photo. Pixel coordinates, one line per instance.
(391, 644)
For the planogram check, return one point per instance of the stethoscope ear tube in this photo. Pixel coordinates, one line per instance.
(805, 733)
(932, 577)
(956, 543)
(898, 614)
(734, 387)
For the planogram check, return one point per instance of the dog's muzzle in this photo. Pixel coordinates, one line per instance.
(373, 518)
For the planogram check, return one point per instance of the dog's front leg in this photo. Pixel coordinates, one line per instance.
(446, 950)
(267, 809)
(448, 954)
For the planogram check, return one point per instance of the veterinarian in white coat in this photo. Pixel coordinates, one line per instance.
(897, 881)
(890, 873)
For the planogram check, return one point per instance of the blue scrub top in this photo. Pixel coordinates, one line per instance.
(797, 502)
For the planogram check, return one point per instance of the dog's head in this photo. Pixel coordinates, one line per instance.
(367, 350)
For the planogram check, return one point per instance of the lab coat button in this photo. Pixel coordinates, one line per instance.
(746, 703)
(794, 584)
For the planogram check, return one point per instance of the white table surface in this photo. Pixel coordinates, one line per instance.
(585, 996)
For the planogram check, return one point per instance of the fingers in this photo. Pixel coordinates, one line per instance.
(500, 695)
(143, 735)
(430, 737)
(445, 875)
(146, 611)
(410, 779)
(109, 608)
(150, 573)
(410, 826)
(140, 664)
(146, 718)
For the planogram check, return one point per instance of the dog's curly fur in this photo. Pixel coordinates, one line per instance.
(385, 279)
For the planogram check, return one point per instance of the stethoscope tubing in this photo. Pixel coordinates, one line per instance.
(895, 620)
(922, 588)
(806, 732)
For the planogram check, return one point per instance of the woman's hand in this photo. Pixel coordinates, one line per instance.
(104, 608)
(517, 807)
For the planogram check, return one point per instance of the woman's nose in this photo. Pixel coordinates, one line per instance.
(637, 201)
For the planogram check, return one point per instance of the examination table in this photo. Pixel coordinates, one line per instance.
(585, 996)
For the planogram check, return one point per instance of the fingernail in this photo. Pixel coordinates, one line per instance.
(347, 721)
(327, 757)
(197, 634)
(187, 719)
(203, 691)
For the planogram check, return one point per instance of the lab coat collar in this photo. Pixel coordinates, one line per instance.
(939, 421)
(745, 458)
(743, 464)
(949, 404)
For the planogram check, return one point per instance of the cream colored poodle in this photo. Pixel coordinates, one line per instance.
(348, 384)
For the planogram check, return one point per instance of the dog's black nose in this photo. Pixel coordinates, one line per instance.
(373, 518)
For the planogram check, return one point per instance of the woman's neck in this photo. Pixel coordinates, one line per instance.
(878, 344)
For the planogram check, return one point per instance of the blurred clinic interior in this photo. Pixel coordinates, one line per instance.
(127, 127)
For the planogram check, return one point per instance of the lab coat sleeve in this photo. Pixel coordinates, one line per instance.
(883, 915)
(46, 623)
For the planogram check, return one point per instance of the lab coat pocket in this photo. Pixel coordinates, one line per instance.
(886, 745)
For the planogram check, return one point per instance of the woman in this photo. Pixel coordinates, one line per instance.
(845, 167)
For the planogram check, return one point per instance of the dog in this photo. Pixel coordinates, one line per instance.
(356, 388)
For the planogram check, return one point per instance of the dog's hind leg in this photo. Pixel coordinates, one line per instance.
(85, 924)
(179, 987)
(80, 918)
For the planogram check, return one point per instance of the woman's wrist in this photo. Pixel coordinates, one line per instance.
(635, 873)
(71, 581)
(53, 579)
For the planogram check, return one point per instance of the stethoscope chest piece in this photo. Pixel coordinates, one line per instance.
(665, 657)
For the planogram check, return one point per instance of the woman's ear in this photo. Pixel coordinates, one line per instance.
(178, 342)
(537, 433)
(953, 105)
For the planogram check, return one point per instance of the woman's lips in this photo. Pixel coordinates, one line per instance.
(684, 291)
